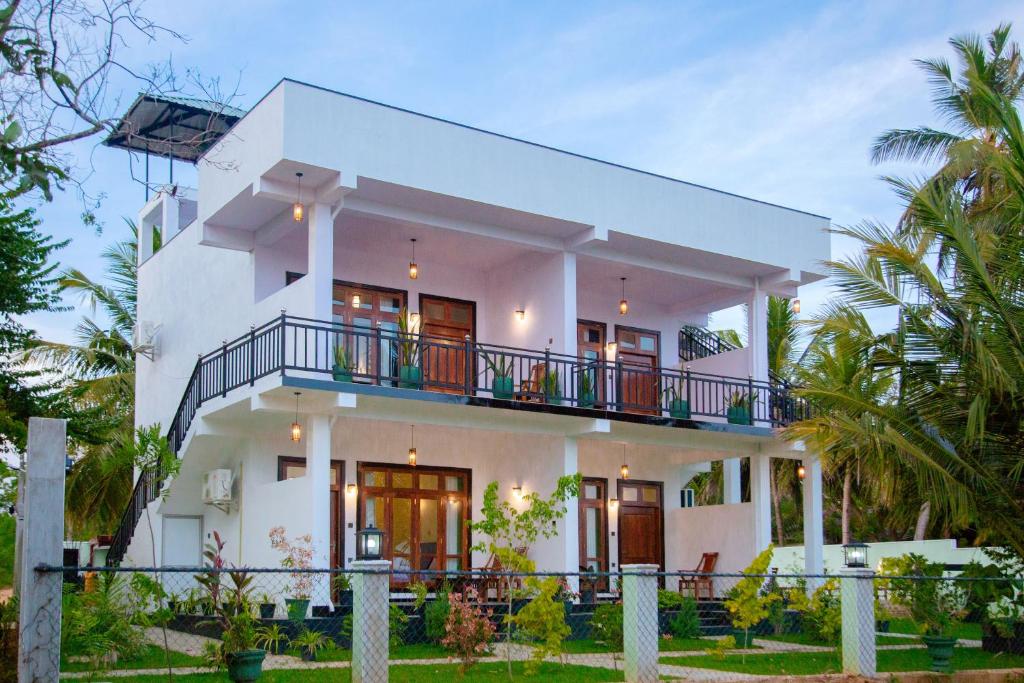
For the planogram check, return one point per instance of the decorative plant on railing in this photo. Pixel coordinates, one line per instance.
(512, 530)
(740, 406)
(410, 375)
(501, 367)
(342, 370)
(587, 395)
(298, 554)
(677, 407)
(552, 388)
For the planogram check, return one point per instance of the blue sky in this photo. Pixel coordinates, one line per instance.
(779, 102)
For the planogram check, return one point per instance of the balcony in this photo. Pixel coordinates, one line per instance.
(407, 363)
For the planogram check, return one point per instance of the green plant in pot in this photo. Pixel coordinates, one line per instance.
(501, 366)
(739, 406)
(410, 375)
(587, 394)
(935, 605)
(342, 369)
(267, 606)
(678, 408)
(552, 389)
(309, 642)
(233, 612)
(271, 638)
(748, 605)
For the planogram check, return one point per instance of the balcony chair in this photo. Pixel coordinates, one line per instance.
(701, 585)
(532, 389)
(497, 583)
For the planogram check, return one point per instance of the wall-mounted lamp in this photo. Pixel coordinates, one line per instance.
(520, 314)
(296, 427)
(623, 304)
(613, 503)
(414, 270)
(351, 489)
(801, 472)
(414, 322)
(610, 349)
(298, 210)
(357, 300)
(517, 492)
(795, 305)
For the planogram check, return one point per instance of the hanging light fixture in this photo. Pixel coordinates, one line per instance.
(296, 427)
(414, 270)
(623, 304)
(795, 305)
(624, 470)
(412, 445)
(298, 210)
(801, 472)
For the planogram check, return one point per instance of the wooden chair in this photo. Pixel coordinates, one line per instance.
(533, 388)
(701, 585)
(498, 583)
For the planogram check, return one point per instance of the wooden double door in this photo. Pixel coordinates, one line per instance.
(638, 353)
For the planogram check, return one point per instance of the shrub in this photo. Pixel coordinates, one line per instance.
(468, 630)
(435, 615)
(606, 625)
(542, 621)
(98, 625)
(669, 600)
(747, 603)
(397, 619)
(686, 622)
(821, 613)
(935, 605)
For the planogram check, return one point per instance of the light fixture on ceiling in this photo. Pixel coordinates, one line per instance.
(412, 445)
(298, 210)
(414, 270)
(624, 470)
(296, 427)
(623, 304)
(795, 305)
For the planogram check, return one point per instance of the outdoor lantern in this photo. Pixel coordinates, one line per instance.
(296, 427)
(855, 555)
(795, 305)
(613, 503)
(624, 470)
(517, 492)
(351, 489)
(371, 541)
(412, 445)
(623, 304)
(298, 211)
(520, 314)
(801, 472)
(414, 270)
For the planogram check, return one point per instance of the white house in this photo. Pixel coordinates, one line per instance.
(583, 283)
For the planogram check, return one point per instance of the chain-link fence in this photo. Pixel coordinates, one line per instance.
(634, 625)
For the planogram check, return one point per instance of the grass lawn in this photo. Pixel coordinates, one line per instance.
(961, 630)
(581, 647)
(152, 658)
(549, 673)
(809, 663)
(804, 639)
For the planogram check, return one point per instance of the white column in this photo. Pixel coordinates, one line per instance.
(757, 327)
(569, 303)
(571, 523)
(318, 478)
(732, 491)
(640, 622)
(370, 594)
(857, 598)
(320, 259)
(43, 533)
(761, 498)
(814, 533)
(170, 220)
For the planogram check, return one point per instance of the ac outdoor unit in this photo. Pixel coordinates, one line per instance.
(145, 338)
(686, 498)
(217, 488)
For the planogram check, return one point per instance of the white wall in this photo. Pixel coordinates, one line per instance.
(724, 529)
(790, 559)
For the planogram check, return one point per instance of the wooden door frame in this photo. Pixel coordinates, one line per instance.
(639, 330)
(604, 515)
(283, 460)
(618, 513)
(656, 409)
(601, 399)
(451, 300)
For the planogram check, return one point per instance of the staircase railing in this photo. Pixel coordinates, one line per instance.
(699, 342)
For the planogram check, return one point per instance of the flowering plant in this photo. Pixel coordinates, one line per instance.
(468, 630)
(298, 554)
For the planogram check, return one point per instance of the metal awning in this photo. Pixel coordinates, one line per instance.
(181, 128)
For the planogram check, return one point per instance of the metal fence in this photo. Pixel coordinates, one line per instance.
(637, 625)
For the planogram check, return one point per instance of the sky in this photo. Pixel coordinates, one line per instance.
(775, 101)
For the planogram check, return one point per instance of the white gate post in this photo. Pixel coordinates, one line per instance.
(640, 622)
(42, 543)
(857, 595)
(371, 594)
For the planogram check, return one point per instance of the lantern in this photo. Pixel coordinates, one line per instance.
(855, 555)
(370, 543)
(298, 211)
(623, 303)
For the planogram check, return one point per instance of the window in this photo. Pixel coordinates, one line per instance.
(594, 527)
(423, 522)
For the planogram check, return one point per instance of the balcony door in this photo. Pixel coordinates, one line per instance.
(366, 308)
(590, 346)
(641, 521)
(445, 324)
(638, 354)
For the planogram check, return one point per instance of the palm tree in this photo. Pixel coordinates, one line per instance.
(101, 367)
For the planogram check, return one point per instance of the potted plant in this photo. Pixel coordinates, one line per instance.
(678, 408)
(739, 406)
(587, 395)
(343, 587)
(174, 603)
(502, 385)
(238, 648)
(410, 375)
(342, 369)
(298, 555)
(309, 642)
(935, 605)
(748, 605)
(271, 638)
(267, 607)
(552, 389)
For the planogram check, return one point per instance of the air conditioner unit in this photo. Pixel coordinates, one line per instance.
(686, 498)
(217, 488)
(144, 338)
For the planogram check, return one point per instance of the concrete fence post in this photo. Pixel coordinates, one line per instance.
(857, 595)
(42, 537)
(370, 604)
(640, 622)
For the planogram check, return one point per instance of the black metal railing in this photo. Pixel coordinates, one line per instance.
(389, 357)
(699, 342)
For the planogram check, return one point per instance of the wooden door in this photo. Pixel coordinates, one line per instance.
(593, 528)
(445, 323)
(637, 362)
(364, 309)
(641, 535)
(590, 346)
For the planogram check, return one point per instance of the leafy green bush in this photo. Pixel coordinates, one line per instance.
(542, 621)
(435, 615)
(606, 625)
(822, 616)
(686, 622)
(669, 600)
(397, 619)
(98, 625)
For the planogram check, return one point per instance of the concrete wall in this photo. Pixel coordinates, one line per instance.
(790, 559)
(724, 529)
